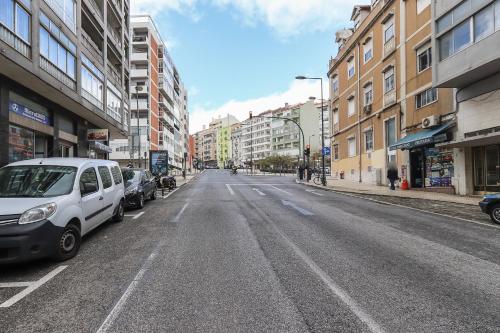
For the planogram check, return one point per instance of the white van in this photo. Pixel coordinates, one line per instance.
(47, 205)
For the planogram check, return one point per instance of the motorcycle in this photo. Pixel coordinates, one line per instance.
(167, 182)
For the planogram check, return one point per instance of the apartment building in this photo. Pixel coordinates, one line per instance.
(206, 147)
(64, 77)
(466, 50)
(256, 139)
(384, 106)
(236, 148)
(223, 127)
(159, 114)
(286, 136)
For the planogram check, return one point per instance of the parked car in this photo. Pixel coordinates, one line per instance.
(140, 185)
(47, 205)
(491, 206)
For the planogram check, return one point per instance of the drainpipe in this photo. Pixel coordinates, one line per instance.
(358, 106)
(402, 69)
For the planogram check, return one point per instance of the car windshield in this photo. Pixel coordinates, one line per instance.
(36, 181)
(131, 176)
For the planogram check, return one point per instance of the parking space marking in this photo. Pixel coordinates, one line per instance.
(178, 216)
(32, 286)
(138, 215)
(166, 196)
(15, 284)
(258, 191)
(230, 189)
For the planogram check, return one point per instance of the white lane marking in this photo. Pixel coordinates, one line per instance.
(230, 189)
(314, 192)
(15, 284)
(128, 215)
(138, 215)
(115, 312)
(276, 188)
(32, 287)
(258, 191)
(260, 184)
(166, 196)
(178, 216)
(297, 208)
(337, 290)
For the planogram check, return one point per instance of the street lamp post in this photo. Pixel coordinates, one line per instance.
(137, 89)
(251, 144)
(323, 176)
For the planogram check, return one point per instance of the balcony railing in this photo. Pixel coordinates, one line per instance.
(57, 73)
(96, 7)
(92, 47)
(10, 38)
(92, 99)
(112, 72)
(115, 37)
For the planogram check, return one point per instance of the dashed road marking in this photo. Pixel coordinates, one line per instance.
(277, 188)
(178, 216)
(303, 211)
(258, 191)
(138, 215)
(30, 287)
(315, 193)
(230, 189)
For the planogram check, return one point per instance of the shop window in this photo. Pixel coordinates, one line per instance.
(105, 177)
(424, 58)
(21, 144)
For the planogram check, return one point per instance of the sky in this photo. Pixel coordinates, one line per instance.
(236, 56)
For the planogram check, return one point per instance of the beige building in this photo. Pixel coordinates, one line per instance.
(384, 107)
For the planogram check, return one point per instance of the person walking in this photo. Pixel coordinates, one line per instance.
(392, 174)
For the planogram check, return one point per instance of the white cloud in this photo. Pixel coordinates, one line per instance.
(299, 91)
(285, 17)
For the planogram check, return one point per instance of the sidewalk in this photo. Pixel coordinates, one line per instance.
(181, 181)
(362, 188)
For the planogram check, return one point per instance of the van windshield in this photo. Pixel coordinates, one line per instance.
(36, 181)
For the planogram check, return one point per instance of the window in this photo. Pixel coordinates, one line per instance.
(336, 116)
(424, 58)
(461, 36)
(114, 104)
(497, 15)
(105, 177)
(57, 54)
(368, 50)
(22, 24)
(88, 182)
(484, 23)
(389, 80)
(7, 13)
(350, 69)
(351, 107)
(336, 152)
(390, 132)
(351, 147)
(422, 4)
(426, 97)
(66, 10)
(16, 18)
(92, 85)
(369, 140)
(335, 85)
(368, 94)
(117, 174)
(389, 31)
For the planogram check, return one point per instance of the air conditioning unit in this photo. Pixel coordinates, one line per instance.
(367, 108)
(429, 121)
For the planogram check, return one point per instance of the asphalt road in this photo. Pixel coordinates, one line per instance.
(264, 254)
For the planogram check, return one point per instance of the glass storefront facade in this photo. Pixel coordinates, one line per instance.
(487, 168)
(21, 144)
(432, 167)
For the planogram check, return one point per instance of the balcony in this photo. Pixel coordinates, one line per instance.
(92, 47)
(139, 57)
(140, 40)
(96, 8)
(113, 73)
(139, 73)
(115, 37)
(390, 98)
(143, 104)
(57, 73)
(17, 43)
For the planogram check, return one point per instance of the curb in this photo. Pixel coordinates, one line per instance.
(378, 194)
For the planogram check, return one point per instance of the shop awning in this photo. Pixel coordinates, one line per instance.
(423, 138)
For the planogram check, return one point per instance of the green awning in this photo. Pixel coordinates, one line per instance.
(423, 138)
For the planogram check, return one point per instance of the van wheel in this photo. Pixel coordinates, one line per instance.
(495, 213)
(120, 213)
(68, 244)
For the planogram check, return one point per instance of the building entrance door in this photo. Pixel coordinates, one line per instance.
(487, 168)
(417, 168)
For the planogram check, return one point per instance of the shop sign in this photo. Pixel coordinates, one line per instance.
(158, 162)
(28, 113)
(97, 134)
(96, 145)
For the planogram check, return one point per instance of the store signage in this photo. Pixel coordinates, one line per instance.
(158, 162)
(28, 113)
(96, 145)
(96, 134)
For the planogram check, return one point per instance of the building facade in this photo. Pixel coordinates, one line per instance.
(159, 115)
(467, 58)
(384, 108)
(64, 77)
(256, 139)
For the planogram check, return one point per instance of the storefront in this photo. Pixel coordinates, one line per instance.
(430, 167)
(486, 168)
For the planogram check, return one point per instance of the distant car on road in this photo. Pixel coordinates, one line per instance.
(491, 206)
(140, 185)
(47, 205)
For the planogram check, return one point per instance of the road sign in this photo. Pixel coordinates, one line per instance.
(326, 151)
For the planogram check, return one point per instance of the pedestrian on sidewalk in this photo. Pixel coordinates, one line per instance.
(392, 174)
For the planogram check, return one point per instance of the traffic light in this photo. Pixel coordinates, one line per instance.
(308, 150)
